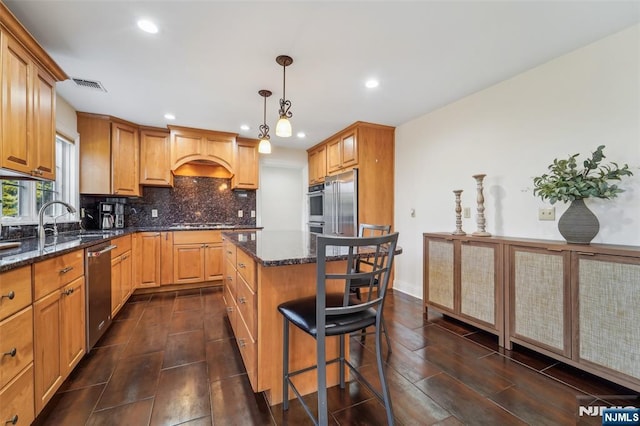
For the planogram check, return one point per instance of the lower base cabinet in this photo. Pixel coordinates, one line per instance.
(16, 399)
(575, 303)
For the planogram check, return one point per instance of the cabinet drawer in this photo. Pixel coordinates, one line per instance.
(247, 305)
(16, 400)
(16, 343)
(197, 237)
(15, 291)
(123, 244)
(246, 267)
(229, 252)
(232, 311)
(230, 278)
(54, 273)
(248, 349)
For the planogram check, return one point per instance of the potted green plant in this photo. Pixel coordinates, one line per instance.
(566, 183)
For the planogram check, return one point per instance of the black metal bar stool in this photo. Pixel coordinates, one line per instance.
(339, 314)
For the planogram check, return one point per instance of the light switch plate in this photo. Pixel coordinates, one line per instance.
(154, 212)
(240, 213)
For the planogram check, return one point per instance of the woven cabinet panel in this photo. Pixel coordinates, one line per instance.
(539, 297)
(478, 282)
(609, 318)
(441, 273)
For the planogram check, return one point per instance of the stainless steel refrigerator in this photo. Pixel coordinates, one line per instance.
(341, 204)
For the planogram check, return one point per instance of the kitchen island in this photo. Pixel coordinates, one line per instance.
(263, 269)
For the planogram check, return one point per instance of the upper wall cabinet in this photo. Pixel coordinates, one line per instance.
(197, 145)
(108, 156)
(155, 157)
(27, 107)
(370, 148)
(245, 164)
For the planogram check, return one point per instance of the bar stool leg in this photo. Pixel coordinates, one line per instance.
(285, 364)
(383, 380)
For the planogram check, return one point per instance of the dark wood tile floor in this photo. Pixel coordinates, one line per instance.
(170, 359)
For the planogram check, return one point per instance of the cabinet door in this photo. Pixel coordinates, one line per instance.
(188, 263)
(73, 332)
(124, 157)
(480, 281)
(219, 149)
(155, 158)
(349, 147)
(245, 166)
(334, 155)
(16, 106)
(317, 165)
(149, 246)
(439, 274)
(213, 261)
(47, 331)
(126, 280)
(540, 299)
(608, 315)
(184, 145)
(116, 285)
(44, 125)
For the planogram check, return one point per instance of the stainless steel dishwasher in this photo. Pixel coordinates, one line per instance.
(98, 271)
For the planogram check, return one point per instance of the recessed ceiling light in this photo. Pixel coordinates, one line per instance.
(372, 83)
(301, 135)
(169, 116)
(245, 127)
(147, 26)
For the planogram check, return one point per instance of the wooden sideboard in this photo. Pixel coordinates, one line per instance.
(579, 304)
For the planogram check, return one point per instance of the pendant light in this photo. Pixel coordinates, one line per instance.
(283, 128)
(265, 146)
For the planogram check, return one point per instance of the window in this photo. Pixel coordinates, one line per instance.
(22, 199)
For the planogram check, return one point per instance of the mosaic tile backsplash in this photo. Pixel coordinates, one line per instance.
(191, 200)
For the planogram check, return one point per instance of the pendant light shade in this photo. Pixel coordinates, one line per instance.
(283, 128)
(265, 146)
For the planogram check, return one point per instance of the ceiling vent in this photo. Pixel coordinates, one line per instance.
(90, 84)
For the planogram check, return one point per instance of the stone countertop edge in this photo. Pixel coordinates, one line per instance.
(29, 253)
(247, 248)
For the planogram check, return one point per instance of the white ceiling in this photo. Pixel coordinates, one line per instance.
(210, 58)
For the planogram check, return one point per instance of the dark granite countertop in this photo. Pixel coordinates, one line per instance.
(279, 248)
(29, 251)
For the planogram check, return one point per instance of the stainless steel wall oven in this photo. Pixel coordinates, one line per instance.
(316, 203)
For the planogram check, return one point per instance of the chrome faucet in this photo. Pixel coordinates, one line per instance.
(42, 233)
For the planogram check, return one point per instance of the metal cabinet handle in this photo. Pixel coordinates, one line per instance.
(229, 309)
(242, 300)
(65, 270)
(68, 291)
(242, 343)
(229, 252)
(241, 265)
(13, 420)
(229, 278)
(9, 295)
(12, 353)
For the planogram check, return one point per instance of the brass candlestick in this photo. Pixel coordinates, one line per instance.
(458, 230)
(480, 218)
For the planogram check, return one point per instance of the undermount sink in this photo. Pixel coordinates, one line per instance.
(10, 245)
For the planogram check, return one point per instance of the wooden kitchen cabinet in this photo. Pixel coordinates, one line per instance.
(148, 246)
(197, 256)
(16, 343)
(370, 148)
(155, 158)
(121, 273)
(246, 164)
(189, 144)
(317, 165)
(28, 113)
(463, 279)
(166, 258)
(109, 155)
(59, 333)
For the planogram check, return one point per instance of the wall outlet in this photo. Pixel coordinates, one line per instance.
(154, 212)
(467, 212)
(548, 213)
(82, 213)
(240, 213)
(253, 213)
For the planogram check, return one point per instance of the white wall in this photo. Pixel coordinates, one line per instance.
(512, 131)
(281, 201)
(66, 119)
